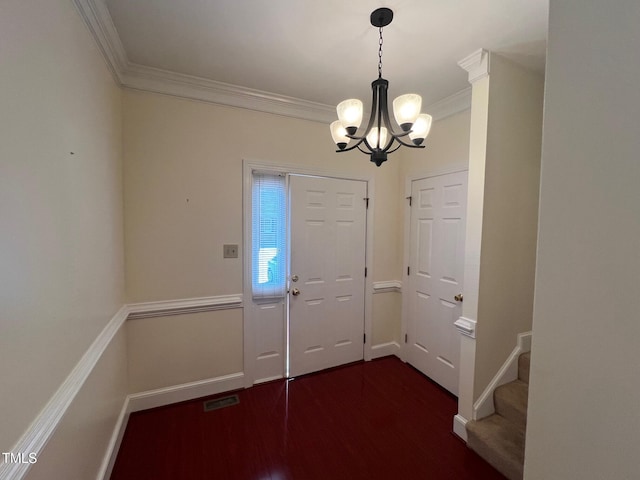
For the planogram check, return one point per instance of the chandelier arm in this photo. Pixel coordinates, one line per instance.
(410, 145)
(374, 101)
(366, 142)
(401, 134)
(384, 111)
(382, 107)
(364, 151)
(388, 146)
(357, 145)
(391, 151)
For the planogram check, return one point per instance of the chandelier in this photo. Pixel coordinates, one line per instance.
(379, 138)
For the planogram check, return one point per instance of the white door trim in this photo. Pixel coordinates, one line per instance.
(248, 166)
(409, 179)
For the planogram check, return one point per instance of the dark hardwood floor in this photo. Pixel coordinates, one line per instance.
(371, 420)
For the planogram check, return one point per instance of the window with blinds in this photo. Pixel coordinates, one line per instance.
(268, 243)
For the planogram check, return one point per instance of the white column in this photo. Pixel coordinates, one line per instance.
(477, 64)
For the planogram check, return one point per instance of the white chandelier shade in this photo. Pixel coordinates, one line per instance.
(421, 128)
(350, 114)
(406, 109)
(373, 136)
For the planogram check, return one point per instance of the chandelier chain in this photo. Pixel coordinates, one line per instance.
(380, 55)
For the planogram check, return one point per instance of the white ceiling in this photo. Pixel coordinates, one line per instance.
(326, 51)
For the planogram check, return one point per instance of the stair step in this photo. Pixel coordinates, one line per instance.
(510, 401)
(500, 442)
(524, 362)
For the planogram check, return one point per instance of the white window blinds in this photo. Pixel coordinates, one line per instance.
(268, 243)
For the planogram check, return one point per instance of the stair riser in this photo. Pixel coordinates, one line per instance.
(500, 443)
(511, 412)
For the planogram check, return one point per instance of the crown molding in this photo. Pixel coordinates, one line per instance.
(477, 65)
(139, 77)
(456, 103)
(134, 76)
(98, 20)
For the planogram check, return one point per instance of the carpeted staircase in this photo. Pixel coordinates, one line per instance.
(499, 438)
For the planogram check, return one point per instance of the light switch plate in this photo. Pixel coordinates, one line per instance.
(230, 251)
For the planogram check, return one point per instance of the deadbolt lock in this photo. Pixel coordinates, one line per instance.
(294, 278)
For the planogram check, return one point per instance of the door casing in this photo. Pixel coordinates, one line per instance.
(409, 179)
(251, 314)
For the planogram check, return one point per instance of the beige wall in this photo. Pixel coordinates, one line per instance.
(168, 351)
(183, 194)
(447, 148)
(61, 240)
(510, 215)
(387, 308)
(584, 394)
(183, 190)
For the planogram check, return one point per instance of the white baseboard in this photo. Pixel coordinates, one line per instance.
(111, 453)
(460, 427)
(385, 349)
(186, 391)
(483, 407)
(159, 398)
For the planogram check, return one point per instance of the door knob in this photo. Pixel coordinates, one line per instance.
(458, 297)
(295, 292)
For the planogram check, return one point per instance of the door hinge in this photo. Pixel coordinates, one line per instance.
(408, 270)
(366, 199)
(409, 198)
(406, 338)
(364, 338)
(365, 272)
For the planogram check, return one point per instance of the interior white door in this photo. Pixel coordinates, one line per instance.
(436, 266)
(326, 299)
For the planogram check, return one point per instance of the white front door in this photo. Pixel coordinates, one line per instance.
(436, 265)
(326, 299)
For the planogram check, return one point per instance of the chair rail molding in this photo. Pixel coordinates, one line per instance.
(466, 326)
(165, 308)
(387, 286)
